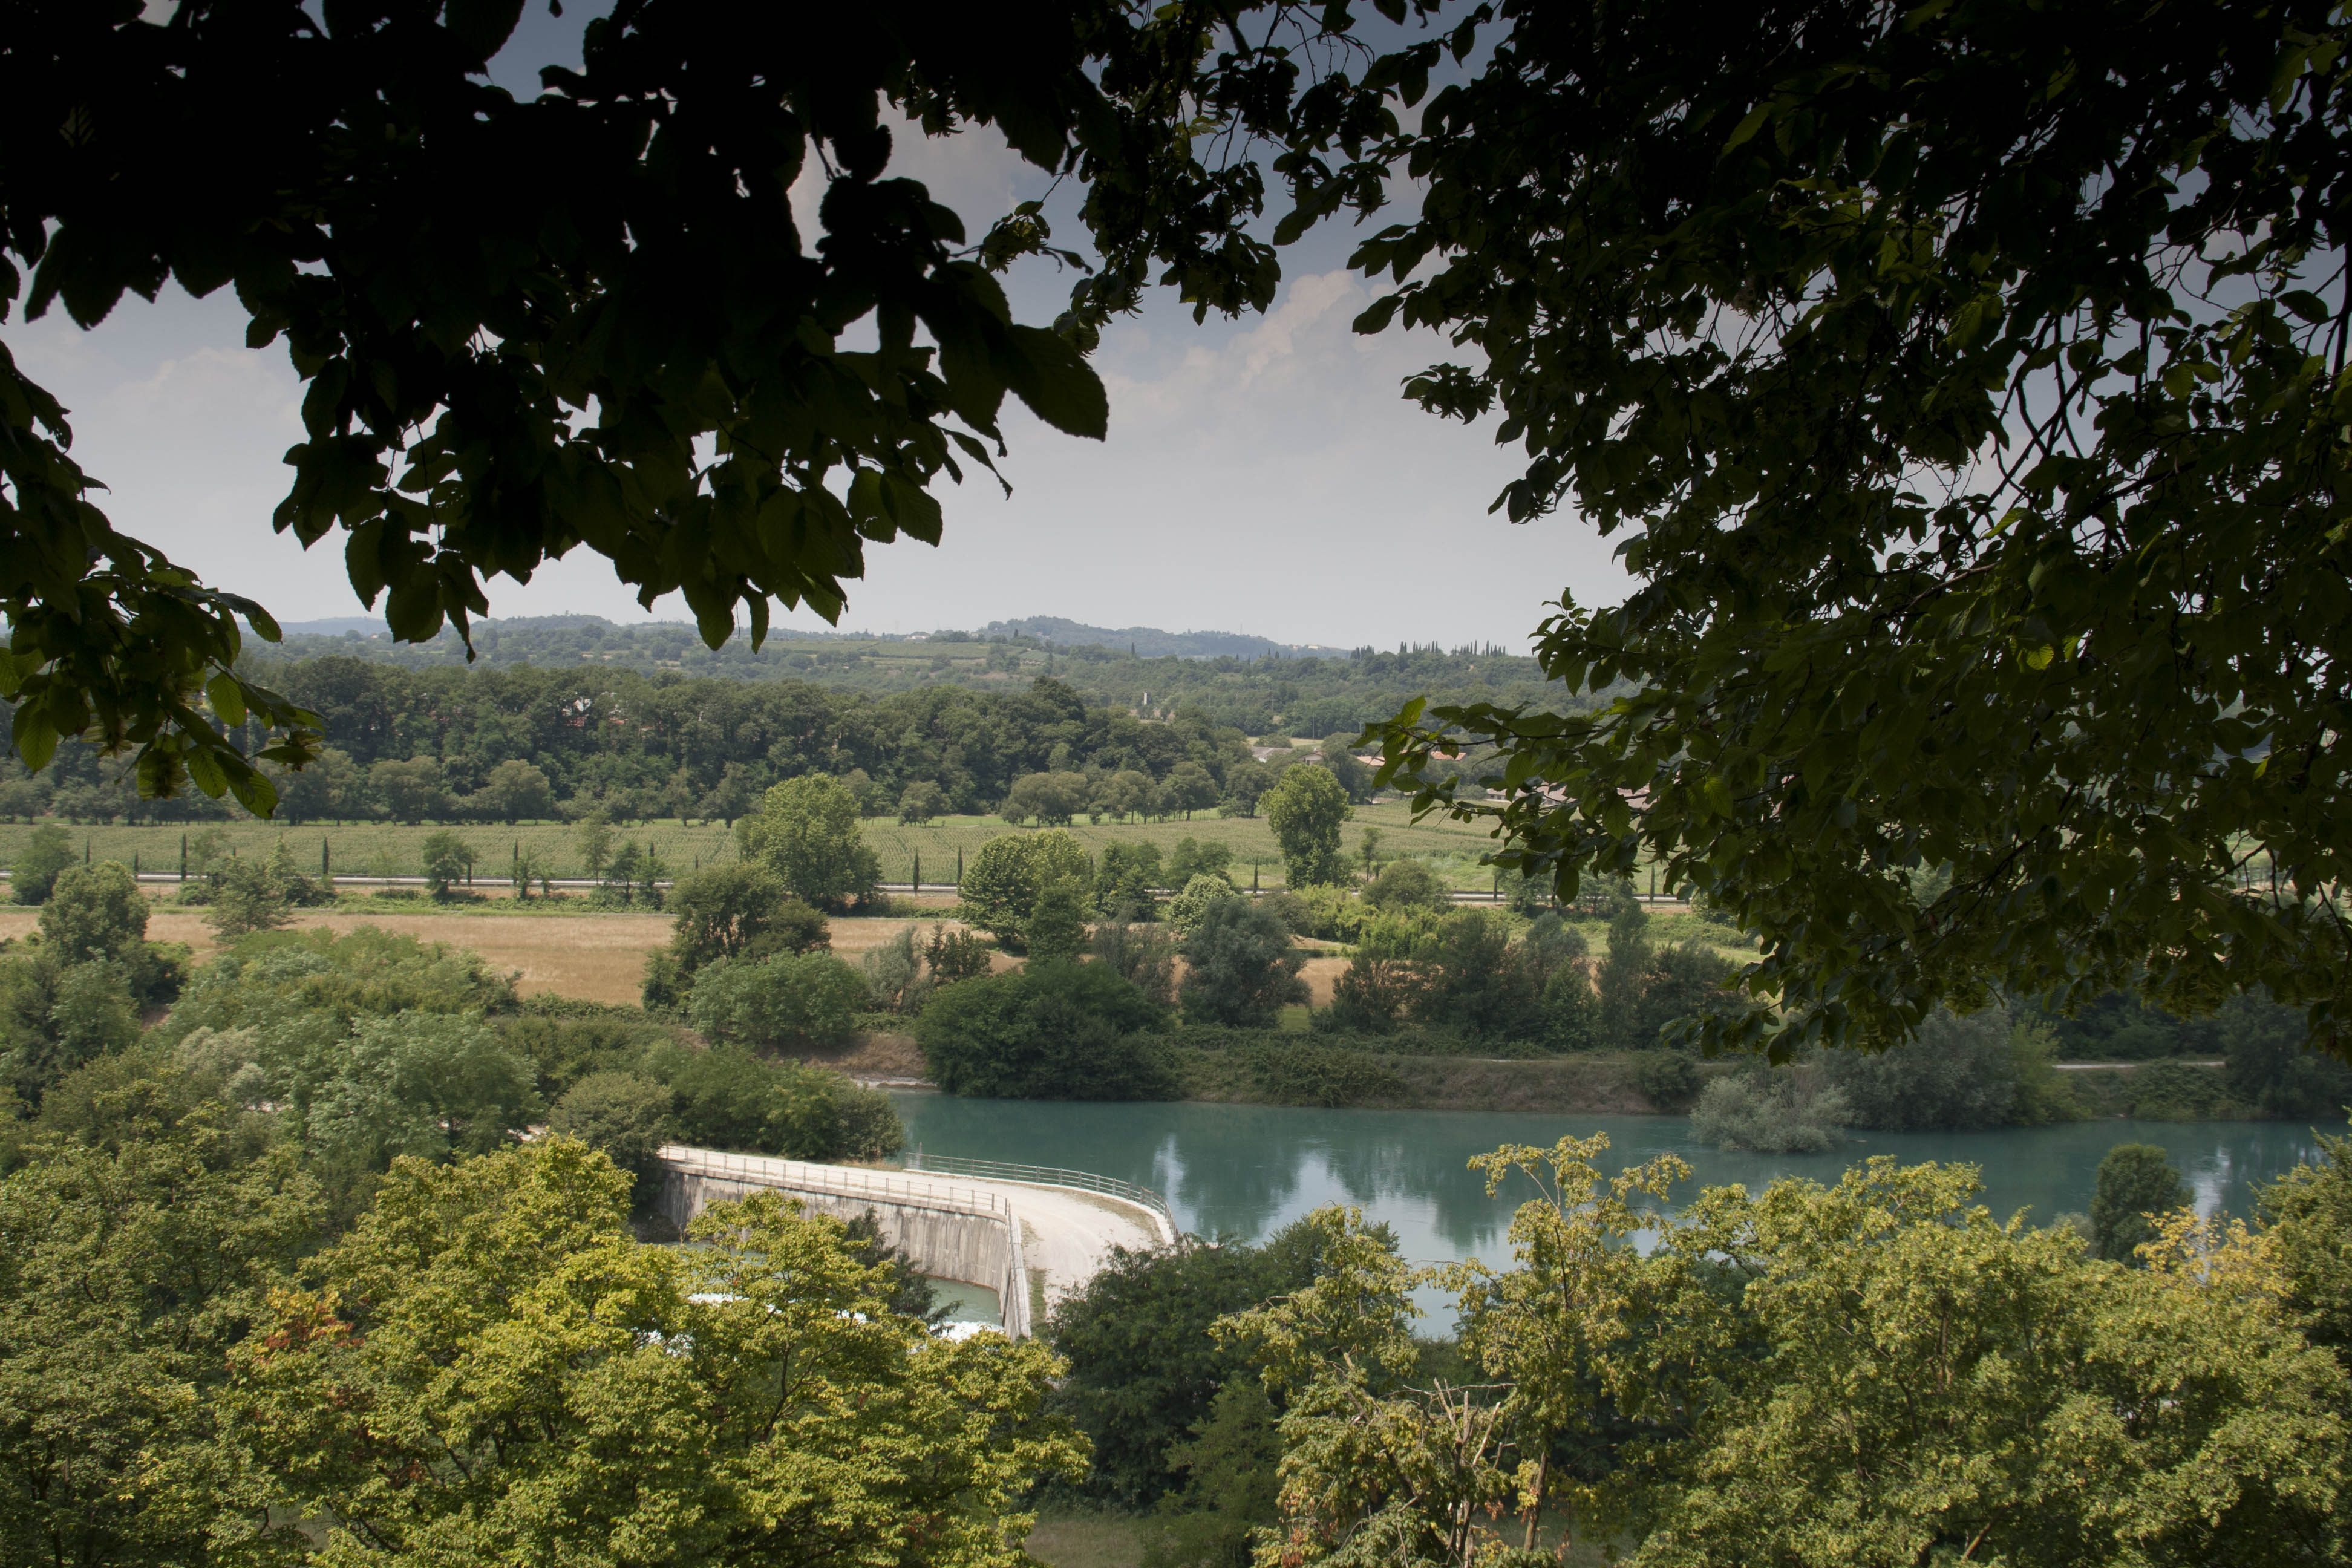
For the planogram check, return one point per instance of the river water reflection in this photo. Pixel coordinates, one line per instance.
(1247, 1169)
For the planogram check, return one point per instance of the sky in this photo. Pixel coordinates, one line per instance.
(1263, 476)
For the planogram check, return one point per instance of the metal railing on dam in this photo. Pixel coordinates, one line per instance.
(1150, 1198)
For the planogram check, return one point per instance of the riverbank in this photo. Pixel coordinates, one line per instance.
(1273, 1069)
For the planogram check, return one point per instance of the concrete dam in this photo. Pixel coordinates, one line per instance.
(1032, 1234)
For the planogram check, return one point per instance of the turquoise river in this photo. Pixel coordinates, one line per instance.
(1244, 1171)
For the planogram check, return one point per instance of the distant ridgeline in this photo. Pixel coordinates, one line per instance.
(1250, 684)
(575, 714)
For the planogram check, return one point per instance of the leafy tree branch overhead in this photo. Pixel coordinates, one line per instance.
(517, 318)
(1967, 380)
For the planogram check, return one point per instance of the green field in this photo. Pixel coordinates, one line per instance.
(383, 849)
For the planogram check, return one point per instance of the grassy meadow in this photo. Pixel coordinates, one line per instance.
(386, 850)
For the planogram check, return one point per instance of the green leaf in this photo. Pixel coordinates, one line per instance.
(204, 768)
(228, 700)
(482, 26)
(2305, 303)
(1045, 371)
(1749, 126)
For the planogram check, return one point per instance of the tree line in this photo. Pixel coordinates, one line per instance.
(1311, 693)
(524, 742)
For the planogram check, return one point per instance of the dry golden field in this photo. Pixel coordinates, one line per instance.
(598, 957)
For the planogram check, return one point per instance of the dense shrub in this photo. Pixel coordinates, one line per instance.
(1959, 1073)
(624, 1116)
(806, 1000)
(1291, 1071)
(1667, 1080)
(1370, 997)
(1144, 1370)
(1057, 922)
(1193, 901)
(2271, 1068)
(563, 1050)
(2180, 1091)
(48, 850)
(1407, 885)
(738, 910)
(1048, 1031)
(1125, 878)
(728, 1097)
(1239, 965)
(428, 1084)
(2136, 1184)
(1142, 955)
(1786, 1110)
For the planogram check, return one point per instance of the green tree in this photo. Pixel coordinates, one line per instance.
(1056, 927)
(130, 1266)
(2273, 1066)
(427, 1085)
(806, 1000)
(806, 831)
(894, 974)
(1047, 1031)
(490, 1360)
(1306, 810)
(1125, 878)
(1408, 884)
(953, 955)
(48, 850)
(2307, 1217)
(1190, 858)
(329, 786)
(530, 865)
(1195, 899)
(1052, 798)
(1773, 1111)
(448, 861)
(1793, 739)
(1143, 1371)
(1001, 884)
(919, 803)
(250, 896)
(1338, 754)
(1959, 1073)
(55, 1016)
(1189, 788)
(95, 915)
(1246, 786)
(515, 789)
(410, 791)
(1142, 955)
(596, 836)
(1240, 967)
(623, 1116)
(1125, 793)
(2137, 1187)
(724, 912)
(1887, 1329)
(728, 1097)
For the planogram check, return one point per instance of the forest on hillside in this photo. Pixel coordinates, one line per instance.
(1313, 692)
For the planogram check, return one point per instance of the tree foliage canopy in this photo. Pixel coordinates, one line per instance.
(1967, 384)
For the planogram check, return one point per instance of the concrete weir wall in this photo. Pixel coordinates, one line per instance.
(952, 1231)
